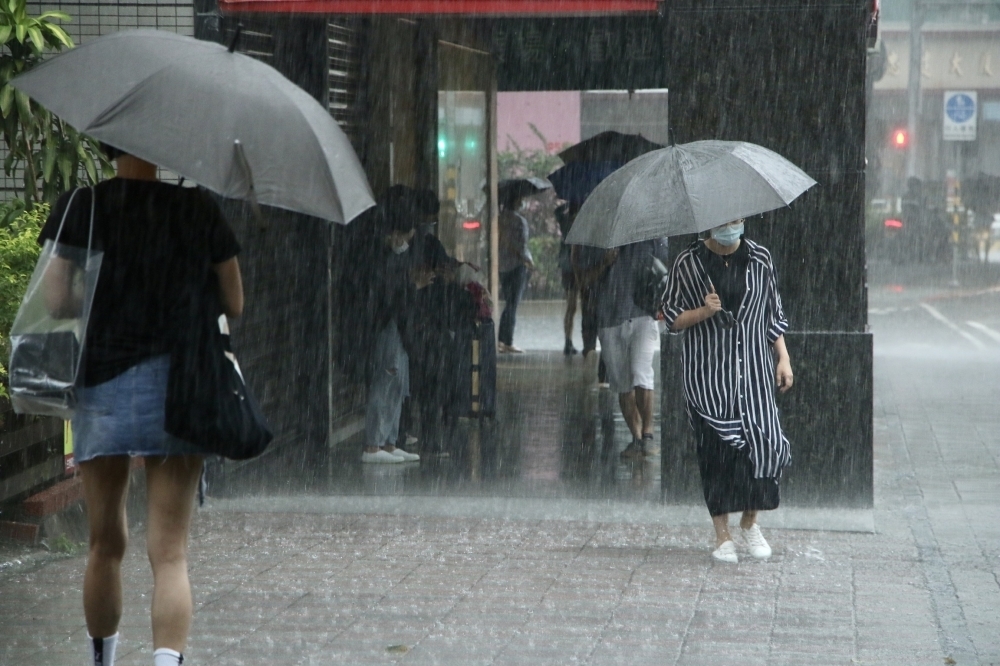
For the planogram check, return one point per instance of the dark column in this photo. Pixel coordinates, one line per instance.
(763, 76)
(282, 339)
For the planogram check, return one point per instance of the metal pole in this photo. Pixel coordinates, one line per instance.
(913, 85)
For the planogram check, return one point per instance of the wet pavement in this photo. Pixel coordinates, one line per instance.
(534, 544)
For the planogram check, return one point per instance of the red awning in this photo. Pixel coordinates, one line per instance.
(443, 7)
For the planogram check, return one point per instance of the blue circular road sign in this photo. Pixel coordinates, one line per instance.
(960, 108)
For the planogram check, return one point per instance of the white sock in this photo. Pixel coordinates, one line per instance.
(167, 657)
(102, 650)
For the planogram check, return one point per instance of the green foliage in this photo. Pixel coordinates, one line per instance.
(54, 156)
(19, 252)
(63, 545)
(546, 278)
(521, 162)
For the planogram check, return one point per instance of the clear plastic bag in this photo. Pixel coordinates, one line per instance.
(47, 338)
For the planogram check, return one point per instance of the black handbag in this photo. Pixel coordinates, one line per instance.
(651, 286)
(208, 401)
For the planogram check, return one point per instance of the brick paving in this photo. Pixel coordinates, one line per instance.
(327, 587)
(332, 589)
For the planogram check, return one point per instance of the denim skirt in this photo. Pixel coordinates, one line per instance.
(125, 415)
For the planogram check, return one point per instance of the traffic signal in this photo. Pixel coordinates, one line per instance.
(900, 138)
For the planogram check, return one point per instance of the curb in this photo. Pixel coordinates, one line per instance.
(59, 511)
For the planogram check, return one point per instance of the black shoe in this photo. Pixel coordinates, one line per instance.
(633, 451)
(569, 349)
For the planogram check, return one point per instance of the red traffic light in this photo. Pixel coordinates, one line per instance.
(900, 138)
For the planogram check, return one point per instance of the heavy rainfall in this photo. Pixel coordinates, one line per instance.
(500, 332)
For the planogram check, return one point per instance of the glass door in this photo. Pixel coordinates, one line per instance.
(466, 156)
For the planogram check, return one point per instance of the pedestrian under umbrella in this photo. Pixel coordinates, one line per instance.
(516, 261)
(724, 295)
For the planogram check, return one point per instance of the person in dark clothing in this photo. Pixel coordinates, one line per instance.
(724, 294)
(159, 242)
(516, 263)
(378, 295)
(565, 214)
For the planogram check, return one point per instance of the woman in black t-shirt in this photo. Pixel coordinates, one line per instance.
(156, 237)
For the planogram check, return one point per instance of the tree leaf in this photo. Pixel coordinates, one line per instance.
(36, 38)
(21, 30)
(5, 31)
(66, 169)
(49, 163)
(62, 16)
(24, 108)
(6, 99)
(60, 35)
(88, 164)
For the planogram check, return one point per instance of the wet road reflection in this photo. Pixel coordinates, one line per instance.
(556, 434)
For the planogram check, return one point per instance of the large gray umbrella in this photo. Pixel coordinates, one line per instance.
(224, 120)
(686, 189)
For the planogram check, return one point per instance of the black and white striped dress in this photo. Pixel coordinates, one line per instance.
(729, 373)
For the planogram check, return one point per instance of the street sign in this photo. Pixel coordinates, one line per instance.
(960, 115)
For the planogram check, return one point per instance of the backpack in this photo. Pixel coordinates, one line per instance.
(650, 286)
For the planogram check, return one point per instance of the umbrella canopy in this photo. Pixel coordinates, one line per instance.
(522, 187)
(686, 189)
(575, 181)
(224, 120)
(609, 146)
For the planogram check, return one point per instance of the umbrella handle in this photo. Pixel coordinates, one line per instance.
(251, 191)
(236, 37)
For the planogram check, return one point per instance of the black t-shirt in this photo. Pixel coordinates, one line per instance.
(155, 237)
(728, 273)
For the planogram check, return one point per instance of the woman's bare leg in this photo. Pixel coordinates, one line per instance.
(171, 483)
(748, 519)
(721, 524)
(571, 295)
(105, 487)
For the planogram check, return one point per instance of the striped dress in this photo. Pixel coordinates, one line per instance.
(729, 374)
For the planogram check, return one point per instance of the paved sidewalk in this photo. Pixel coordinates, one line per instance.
(314, 586)
(326, 589)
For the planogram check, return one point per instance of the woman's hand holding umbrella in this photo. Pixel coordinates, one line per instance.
(688, 318)
(712, 303)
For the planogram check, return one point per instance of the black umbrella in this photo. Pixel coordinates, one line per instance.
(521, 187)
(609, 146)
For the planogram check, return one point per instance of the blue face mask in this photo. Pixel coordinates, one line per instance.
(727, 235)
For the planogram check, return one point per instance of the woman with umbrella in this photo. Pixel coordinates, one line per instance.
(724, 294)
(158, 240)
(515, 258)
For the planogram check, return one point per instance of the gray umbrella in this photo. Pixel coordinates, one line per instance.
(686, 189)
(224, 120)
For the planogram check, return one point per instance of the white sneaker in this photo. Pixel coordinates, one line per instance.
(756, 543)
(380, 456)
(726, 553)
(406, 457)
(411, 440)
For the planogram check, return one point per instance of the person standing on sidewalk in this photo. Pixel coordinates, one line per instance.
(516, 263)
(157, 240)
(379, 294)
(724, 293)
(629, 339)
(565, 214)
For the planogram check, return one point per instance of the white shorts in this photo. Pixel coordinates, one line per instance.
(627, 351)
